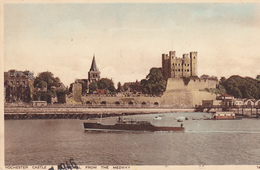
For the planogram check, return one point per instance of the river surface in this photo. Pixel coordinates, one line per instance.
(204, 142)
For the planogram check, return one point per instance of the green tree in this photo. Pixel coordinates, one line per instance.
(47, 80)
(119, 87)
(93, 87)
(242, 87)
(107, 84)
(61, 95)
(154, 83)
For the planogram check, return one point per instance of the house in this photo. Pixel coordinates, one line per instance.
(227, 100)
(257, 103)
(102, 91)
(249, 102)
(38, 103)
(238, 102)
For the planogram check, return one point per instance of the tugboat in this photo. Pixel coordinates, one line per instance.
(123, 125)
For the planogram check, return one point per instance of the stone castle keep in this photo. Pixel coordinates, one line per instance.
(183, 90)
(184, 87)
(174, 67)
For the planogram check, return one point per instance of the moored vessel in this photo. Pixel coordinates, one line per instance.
(123, 125)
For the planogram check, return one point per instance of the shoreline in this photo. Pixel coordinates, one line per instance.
(81, 113)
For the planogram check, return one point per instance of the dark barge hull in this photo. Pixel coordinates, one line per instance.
(128, 127)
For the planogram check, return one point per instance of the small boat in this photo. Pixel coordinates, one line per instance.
(123, 125)
(157, 118)
(224, 115)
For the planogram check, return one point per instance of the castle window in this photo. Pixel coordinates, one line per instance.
(188, 65)
(194, 57)
(176, 64)
(185, 64)
(179, 64)
(188, 70)
(179, 70)
(185, 70)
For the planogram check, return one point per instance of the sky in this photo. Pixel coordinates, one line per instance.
(128, 39)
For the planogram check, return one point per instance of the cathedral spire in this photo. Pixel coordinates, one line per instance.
(94, 73)
(93, 65)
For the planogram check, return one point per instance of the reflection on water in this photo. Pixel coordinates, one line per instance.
(207, 142)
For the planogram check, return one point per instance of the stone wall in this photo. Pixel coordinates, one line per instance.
(186, 95)
(178, 94)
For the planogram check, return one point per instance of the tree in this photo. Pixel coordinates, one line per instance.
(46, 80)
(258, 77)
(107, 84)
(119, 87)
(61, 95)
(154, 83)
(240, 87)
(93, 87)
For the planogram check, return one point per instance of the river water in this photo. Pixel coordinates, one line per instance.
(204, 142)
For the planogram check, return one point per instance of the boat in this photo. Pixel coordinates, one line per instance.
(224, 115)
(131, 125)
(157, 118)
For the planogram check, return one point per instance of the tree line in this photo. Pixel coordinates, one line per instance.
(241, 87)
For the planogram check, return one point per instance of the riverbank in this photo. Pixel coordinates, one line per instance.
(80, 112)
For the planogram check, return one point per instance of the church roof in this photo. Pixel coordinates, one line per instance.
(93, 65)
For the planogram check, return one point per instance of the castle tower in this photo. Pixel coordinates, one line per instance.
(174, 67)
(193, 63)
(186, 71)
(165, 66)
(94, 73)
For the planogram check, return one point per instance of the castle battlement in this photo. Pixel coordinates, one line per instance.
(176, 67)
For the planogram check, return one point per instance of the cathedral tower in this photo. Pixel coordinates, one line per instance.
(94, 73)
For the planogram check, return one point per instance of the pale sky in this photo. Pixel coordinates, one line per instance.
(129, 38)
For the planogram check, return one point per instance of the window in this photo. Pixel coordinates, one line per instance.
(12, 82)
(23, 82)
(17, 82)
(179, 70)
(188, 65)
(188, 70)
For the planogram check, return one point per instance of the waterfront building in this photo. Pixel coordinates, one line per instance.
(17, 85)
